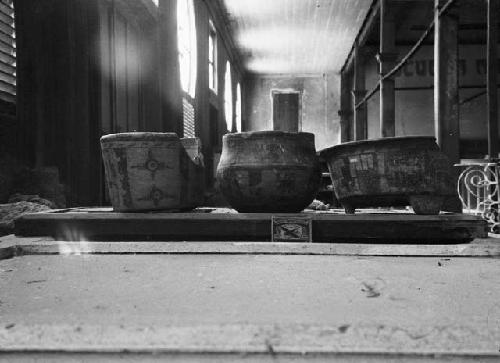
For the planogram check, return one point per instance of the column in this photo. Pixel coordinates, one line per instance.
(387, 60)
(359, 92)
(446, 98)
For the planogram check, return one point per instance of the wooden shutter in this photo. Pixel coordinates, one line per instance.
(188, 112)
(7, 52)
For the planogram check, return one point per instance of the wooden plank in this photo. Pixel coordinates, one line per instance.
(327, 227)
(7, 57)
(387, 59)
(492, 69)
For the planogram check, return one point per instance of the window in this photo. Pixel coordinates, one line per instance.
(212, 57)
(228, 98)
(7, 52)
(237, 111)
(186, 33)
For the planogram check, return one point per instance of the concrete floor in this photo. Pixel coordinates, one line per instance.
(278, 306)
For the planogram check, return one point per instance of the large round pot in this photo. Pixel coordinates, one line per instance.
(391, 172)
(269, 171)
(152, 171)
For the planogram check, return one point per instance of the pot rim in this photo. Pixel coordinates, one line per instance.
(382, 141)
(140, 136)
(260, 134)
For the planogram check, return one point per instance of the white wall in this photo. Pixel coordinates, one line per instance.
(320, 104)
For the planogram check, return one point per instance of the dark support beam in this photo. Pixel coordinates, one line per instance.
(387, 60)
(359, 92)
(493, 142)
(170, 86)
(446, 91)
(345, 107)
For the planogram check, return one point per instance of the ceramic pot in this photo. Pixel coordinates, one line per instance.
(269, 171)
(391, 172)
(152, 171)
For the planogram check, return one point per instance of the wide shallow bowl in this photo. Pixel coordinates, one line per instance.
(391, 172)
(269, 171)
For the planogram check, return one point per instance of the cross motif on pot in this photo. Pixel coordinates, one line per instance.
(156, 195)
(151, 164)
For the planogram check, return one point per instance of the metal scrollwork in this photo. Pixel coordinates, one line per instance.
(478, 190)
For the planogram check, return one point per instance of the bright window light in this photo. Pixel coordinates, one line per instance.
(212, 57)
(228, 98)
(186, 33)
(238, 108)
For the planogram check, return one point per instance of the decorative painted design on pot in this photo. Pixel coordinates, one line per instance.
(268, 171)
(391, 172)
(151, 164)
(152, 171)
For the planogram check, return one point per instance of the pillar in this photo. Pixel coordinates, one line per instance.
(492, 68)
(446, 97)
(387, 60)
(359, 92)
(170, 84)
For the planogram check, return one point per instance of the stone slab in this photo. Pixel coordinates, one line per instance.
(251, 304)
(18, 246)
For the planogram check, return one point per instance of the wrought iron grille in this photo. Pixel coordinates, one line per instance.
(478, 190)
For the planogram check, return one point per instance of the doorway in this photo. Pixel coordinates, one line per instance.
(286, 110)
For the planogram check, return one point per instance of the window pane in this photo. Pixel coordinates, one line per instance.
(238, 108)
(186, 34)
(212, 57)
(228, 98)
(211, 76)
(210, 49)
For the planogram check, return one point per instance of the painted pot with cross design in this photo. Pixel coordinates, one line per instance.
(153, 171)
(269, 171)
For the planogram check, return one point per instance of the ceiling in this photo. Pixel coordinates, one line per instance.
(295, 36)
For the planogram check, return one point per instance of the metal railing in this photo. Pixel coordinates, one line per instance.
(478, 189)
